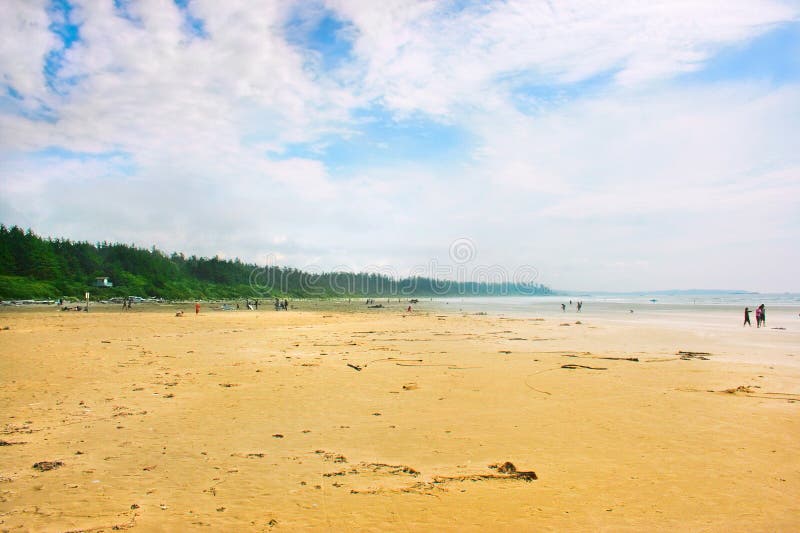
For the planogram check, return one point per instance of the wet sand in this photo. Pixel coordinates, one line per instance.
(325, 420)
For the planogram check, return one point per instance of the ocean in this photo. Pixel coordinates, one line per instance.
(783, 310)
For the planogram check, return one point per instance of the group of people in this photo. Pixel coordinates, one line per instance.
(578, 306)
(252, 305)
(761, 316)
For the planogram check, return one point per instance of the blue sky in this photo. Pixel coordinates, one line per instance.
(616, 147)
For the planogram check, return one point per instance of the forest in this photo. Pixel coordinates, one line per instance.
(32, 267)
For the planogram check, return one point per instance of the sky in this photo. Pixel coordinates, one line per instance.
(586, 145)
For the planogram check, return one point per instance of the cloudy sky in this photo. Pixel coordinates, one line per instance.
(620, 145)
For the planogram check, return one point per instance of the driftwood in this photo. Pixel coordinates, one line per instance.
(634, 359)
(505, 470)
(693, 355)
(573, 367)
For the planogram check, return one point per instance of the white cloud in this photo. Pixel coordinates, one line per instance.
(424, 56)
(637, 175)
(24, 41)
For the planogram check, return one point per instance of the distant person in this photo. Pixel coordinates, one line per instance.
(256, 305)
(277, 304)
(197, 308)
(763, 315)
(758, 316)
(409, 308)
(747, 317)
(580, 304)
(564, 307)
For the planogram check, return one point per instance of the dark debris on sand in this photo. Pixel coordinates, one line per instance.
(686, 356)
(44, 466)
(509, 469)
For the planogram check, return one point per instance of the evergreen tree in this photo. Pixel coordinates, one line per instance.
(34, 267)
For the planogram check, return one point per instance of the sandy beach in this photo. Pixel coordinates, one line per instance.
(384, 420)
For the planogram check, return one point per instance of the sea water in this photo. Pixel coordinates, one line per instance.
(709, 319)
(711, 309)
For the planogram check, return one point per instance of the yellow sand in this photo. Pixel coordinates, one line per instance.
(166, 423)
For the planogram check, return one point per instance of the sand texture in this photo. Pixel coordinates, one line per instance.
(307, 420)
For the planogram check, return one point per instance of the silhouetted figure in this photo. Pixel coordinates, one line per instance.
(763, 315)
(747, 317)
(564, 307)
(580, 304)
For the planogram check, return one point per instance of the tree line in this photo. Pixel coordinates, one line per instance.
(35, 267)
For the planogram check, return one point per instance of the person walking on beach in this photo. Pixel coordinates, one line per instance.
(580, 304)
(197, 308)
(758, 316)
(763, 315)
(563, 307)
(747, 317)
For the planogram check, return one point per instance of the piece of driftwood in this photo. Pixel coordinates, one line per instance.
(693, 355)
(505, 470)
(573, 367)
